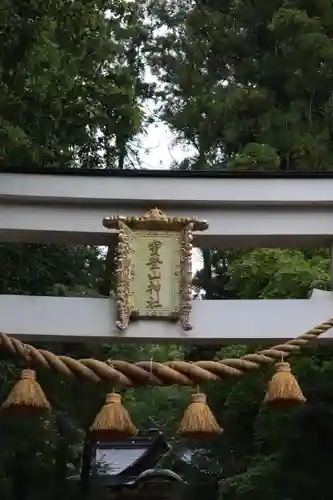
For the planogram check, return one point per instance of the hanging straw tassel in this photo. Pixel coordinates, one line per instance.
(283, 389)
(113, 421)
(198, 421)
(27, 396)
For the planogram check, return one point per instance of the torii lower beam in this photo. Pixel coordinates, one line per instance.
(233, 321)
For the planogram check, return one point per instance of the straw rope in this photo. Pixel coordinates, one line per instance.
(153, 373)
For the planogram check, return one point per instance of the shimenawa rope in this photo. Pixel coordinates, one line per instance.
(153, 373)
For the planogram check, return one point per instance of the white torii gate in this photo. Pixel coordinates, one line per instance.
(244, 211)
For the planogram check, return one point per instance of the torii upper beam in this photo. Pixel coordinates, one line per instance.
(242, 211)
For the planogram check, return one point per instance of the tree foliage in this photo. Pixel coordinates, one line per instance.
(69, 83)
(248, 85)
(72, 89)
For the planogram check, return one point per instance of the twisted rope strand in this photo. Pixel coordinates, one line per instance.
(152, 373)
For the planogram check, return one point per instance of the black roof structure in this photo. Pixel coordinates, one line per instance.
(130, 467)
(123, 462)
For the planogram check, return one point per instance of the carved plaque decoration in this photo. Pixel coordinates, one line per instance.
(154, 267)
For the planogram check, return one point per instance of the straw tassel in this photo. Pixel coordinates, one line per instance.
(113, 421)
(283, 389)
(27, 395)
(198, 420)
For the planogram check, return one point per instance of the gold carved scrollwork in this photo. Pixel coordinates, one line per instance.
(125, 275)
(186, 276)
(156, 220)
(154, 266)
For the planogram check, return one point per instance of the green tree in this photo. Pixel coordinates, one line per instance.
(248, 84)
(68, 92)
(72, 89)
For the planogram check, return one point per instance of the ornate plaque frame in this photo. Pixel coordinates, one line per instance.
(155, 229)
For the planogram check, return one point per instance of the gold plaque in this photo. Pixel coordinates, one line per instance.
(154, 266)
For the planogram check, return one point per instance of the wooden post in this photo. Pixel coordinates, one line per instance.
(85, 479)
(61, 460)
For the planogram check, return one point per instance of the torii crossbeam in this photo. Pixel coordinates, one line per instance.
(245, 211)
